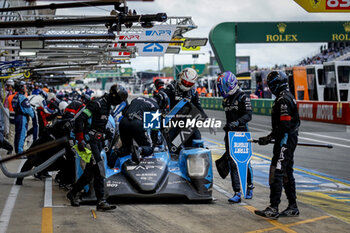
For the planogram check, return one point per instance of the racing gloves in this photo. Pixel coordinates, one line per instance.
(231, 126)
(265, 140)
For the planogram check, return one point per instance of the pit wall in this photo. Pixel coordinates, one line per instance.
(330, 112)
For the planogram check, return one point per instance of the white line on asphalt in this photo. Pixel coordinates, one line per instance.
(311, 139)
(315, 140)
(224, 192)
(10, 204)
(48, 191)
(256, 129)
(326, 136)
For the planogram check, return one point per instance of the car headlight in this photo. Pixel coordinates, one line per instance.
(197, 165)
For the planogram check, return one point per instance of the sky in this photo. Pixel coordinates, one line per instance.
(206, 14)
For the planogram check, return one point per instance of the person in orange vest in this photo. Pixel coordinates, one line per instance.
(10, 84)
(11, 135)
(202, 91)
(46, 88)
(199, 90)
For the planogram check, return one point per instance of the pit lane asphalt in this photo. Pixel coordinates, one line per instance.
(329, 166)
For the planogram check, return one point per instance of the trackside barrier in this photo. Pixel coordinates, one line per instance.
(260, 106)
(330, 112)
(214, 103)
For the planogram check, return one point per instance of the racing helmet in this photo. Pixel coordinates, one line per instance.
(227, 84)
(159, 83)
(163, 101)
(187, 79)
(277, 81)
(62, 106)
(20, 87)
(10, 82)
(51, 96)
(117, 94)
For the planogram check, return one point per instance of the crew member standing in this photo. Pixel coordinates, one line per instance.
(23, 111)
(183, 88)
(98, 111)
(159, 85)
(285, 124)
(10, 84)
(238, 111)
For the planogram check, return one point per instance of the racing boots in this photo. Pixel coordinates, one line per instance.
(236, 198)
(270, 212)
(104, 206)
(74, 199)
(249, 194)
(136, 154)
(19, 181)
(291, 211)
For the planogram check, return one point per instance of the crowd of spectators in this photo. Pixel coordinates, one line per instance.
(327, 53)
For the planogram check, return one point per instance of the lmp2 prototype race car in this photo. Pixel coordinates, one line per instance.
(175, 172)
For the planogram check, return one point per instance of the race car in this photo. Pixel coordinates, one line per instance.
(186, 172)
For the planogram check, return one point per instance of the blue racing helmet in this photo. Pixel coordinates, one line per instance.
(227, 84)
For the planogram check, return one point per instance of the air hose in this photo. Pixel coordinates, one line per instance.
(31, 172)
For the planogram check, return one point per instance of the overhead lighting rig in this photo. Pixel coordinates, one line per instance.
(121, 15)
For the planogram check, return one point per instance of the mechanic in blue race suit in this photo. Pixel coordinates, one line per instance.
(238, 111)
(133, 122)
(23, 111)
(88, 91)
(38, 91)
(285, 125)
(183, 88)
(98, 111)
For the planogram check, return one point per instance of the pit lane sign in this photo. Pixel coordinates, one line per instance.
(241, 153)
(156, 33)
(325, 5)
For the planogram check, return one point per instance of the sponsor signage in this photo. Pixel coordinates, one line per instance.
(325, 5)
(224, 36)
(192, 48)
(123, 72)
(156, 33)
(126, 38)
(241, 153)
(292, 32)
(198, 67)
(332, 112)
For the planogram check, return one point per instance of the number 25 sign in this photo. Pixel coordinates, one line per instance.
(325, 5)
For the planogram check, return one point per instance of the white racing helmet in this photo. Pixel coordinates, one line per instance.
(62, 106)
(187, 79)
(51, 96)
